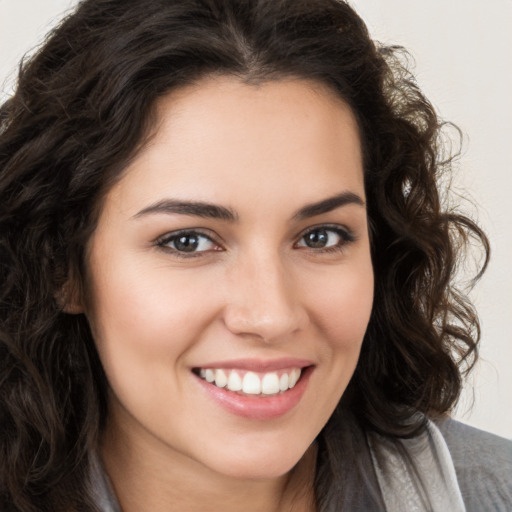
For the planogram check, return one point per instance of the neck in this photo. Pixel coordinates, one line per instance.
(145, 478)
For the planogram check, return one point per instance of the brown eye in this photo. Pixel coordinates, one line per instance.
(317, 239)
(325, 238)
(187, 242)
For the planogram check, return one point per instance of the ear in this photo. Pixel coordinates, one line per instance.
(69, 299)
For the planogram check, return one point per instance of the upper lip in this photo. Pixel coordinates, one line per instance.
(259, 365)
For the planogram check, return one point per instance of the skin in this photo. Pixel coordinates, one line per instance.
(254, 290)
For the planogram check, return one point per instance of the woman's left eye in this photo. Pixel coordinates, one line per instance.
(325, 238)
(187, 242)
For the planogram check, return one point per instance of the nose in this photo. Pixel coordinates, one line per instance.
(262, 300)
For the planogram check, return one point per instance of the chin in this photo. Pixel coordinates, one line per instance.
(255, 463)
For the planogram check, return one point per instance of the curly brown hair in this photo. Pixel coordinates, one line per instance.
(83, 107)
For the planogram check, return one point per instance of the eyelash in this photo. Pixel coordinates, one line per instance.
(163, 242)
(346, 237)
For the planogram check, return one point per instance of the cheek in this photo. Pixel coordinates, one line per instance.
(342, 306)
(139, 297)
(143, 318)
(143, 327)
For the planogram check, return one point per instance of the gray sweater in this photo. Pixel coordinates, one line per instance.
(483, 463)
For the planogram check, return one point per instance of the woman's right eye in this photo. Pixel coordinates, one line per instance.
(187, 243)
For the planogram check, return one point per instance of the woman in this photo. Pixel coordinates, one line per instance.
(227, 277)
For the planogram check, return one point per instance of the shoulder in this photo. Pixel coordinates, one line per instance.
(483, 464)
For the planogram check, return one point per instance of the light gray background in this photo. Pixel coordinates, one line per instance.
(463, 54)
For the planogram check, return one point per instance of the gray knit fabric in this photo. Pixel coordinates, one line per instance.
(483, 463)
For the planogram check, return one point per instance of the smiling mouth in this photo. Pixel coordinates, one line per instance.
(250, 383)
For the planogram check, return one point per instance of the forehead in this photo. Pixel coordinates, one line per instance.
(221, 140)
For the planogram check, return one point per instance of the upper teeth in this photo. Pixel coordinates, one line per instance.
(252, 383)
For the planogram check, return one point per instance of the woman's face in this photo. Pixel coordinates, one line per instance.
(232, 256)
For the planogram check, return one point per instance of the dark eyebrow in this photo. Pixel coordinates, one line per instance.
(196, 208)
(213, 211)
(327, 205)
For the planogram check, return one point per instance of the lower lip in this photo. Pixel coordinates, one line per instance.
(259, 407)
